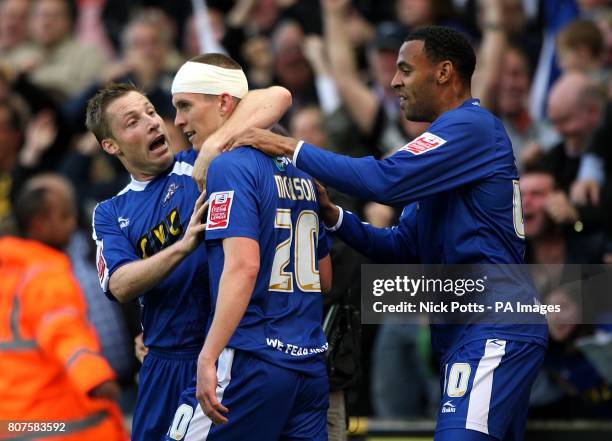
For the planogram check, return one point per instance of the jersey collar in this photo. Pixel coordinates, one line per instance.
(136, 185)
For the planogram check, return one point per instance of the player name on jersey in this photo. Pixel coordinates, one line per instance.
(296, 189)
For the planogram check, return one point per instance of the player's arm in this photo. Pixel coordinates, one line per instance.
(234, 220)
(240, 269)
(259, 108)
(395, 244)
(325, 274)
(462, 155)
(384, 245)
(132, 279)
(323, 257)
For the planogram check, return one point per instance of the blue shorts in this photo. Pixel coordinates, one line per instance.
(265, 402)
(486, 387)
(163, 376)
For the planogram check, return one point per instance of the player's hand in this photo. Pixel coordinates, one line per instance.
(560, 209)
(266, 141)
(140, 350)
(584, 192)
(206, 392)
(328, 210)
(210, 149)
(195, 230)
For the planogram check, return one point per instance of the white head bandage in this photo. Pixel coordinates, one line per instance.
(195, 77)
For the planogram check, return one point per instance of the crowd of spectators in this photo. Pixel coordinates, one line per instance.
(543, 68)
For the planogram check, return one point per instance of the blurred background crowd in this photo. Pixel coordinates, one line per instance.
(543, 68)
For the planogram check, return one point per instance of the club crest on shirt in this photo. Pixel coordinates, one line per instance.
(219, 210)
(124, 222)
(169, 193)
(281, 162)
(424, 143)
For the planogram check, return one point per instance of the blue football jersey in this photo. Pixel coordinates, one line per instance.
(270, 201)
(459, 185)
(143, 219)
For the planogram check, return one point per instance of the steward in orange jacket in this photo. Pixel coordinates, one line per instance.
(50, 361)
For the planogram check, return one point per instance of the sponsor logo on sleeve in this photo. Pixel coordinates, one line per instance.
(448, 407)
(424, 143)
(219, 210)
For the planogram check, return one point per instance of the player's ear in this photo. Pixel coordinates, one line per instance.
(110, 146)
(226, 104)
(444, 71)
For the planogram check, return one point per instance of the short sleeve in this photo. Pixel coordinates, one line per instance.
(233, 203)
(113, 249)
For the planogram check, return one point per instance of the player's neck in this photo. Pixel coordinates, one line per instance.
(453, 99)
(141, 177)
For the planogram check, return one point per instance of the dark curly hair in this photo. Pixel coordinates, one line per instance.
(443, 43)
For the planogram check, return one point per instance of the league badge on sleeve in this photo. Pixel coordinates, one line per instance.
(219, 210)
(101, 264)
(424, 143)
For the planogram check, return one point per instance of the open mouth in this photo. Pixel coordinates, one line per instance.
(158, 143)
(190, 134)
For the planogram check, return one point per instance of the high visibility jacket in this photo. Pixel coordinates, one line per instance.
(49, 353)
